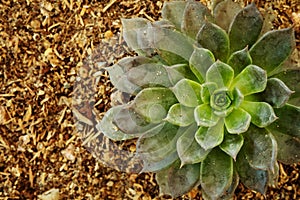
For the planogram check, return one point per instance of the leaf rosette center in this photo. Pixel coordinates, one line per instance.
(220, 100)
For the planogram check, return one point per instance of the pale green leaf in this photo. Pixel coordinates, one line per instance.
(239, 60)
(200, 61)
(154, 103)
(180, 115)
(232, 144)
(178, 72)
(210, 137)
(221, 74)
(208, 89)
(204, 116)
(189, 151)
(173, 12)
(187, 92)
(252, 79)
(262, 114)
(238, 121)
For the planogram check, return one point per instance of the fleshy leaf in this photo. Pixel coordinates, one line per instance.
(210, 137)
(228, 194)
(239, 60)
(187, 92)
(189, 151)
(208, 89)
(232, 144)
(245, 28)
(168, 40)
(289, 147)
(224, 12)
(129, 121)
(288, 121)
(154, 103)
(109, 129)
(220, 102)
(204, 116)
(178, 72)
(273, 48)
(252, 79)
(215, 39)
(118, 73)
(273, 176)
(220, 73)
(238, 98)
(262, 114)
(180, 115)
(260, 148)
(173, 12)
(187, 176)
(254, 179)
(291, 78)
(132, 31)
(238, 121)
(157, 147)
(149, 75)
(216, 173)
(200, 62)
(276, 93)
(194, 16)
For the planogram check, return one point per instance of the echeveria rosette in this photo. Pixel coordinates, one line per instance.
(212, 102)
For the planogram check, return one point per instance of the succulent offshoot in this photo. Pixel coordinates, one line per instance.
(212, 103)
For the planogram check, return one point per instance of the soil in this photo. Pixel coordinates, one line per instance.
(54, 88)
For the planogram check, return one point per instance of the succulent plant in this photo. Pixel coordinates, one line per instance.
(211, 101)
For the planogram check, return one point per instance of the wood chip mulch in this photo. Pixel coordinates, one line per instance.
(53, 89)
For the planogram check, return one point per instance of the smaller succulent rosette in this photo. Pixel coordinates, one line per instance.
(212, 102)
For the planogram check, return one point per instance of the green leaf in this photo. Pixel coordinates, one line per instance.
(187, 92)
(154, 103)
(260, 148)
(220, 73)
(288, 121)
(224, 12)
(216, 173)
(238, 121)
(180, 115)
(215, 39)
(220, 102)
(129, 121)
(132, 29)
(169, 40)
(229, 193)
(109, 129)
(204, 116)
(232, 144)
(169, 179)
(238, 98)
(173, 12)
(262, 114)
(289, 147)
(118, 73)
(276, 93)
(149, 75)
(273, 48)
(189, 151)
(210, 137)
(239, 60)
(254, 179)
(252, 79)
(194, 16)
(157, 147)
(200, 61)
(178, 72)
(245, 28)
(291, 78)
(208, 89)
